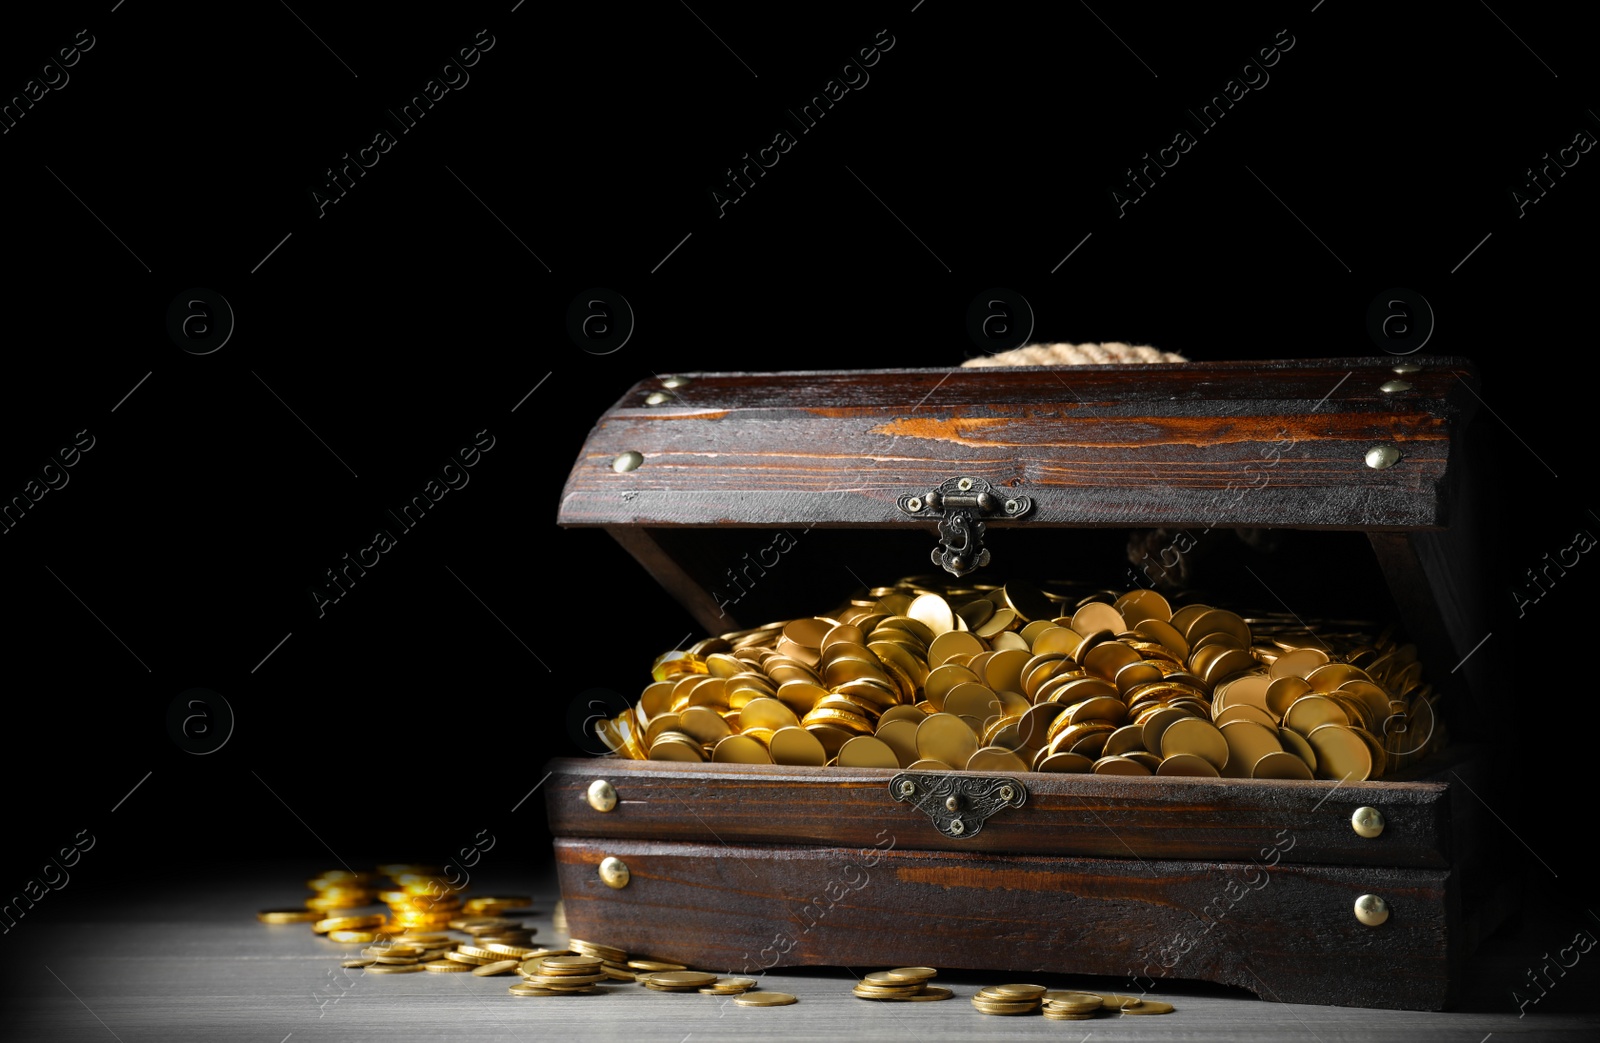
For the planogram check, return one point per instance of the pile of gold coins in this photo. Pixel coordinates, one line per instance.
(908, 984)
(1015, 678)
(413, 938)
(1061, 1005)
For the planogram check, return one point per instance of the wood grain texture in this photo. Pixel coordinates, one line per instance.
(1287, 933)
(1216, 444)
(1101, 816)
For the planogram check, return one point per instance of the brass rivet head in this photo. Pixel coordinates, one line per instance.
(675, 382)
(1371, 910)
(1006, 793)
(1380, 457)
(1367, 822)
(1391, 386)
(951, 803)
(626, 462)
(614, 873)
(1405, 369)
(602, 797)
(656, 398)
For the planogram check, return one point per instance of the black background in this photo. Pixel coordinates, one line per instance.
(381, 336)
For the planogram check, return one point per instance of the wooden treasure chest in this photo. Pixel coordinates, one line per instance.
(1226, 760)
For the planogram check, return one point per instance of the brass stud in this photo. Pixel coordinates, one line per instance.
(1372, 910)
(952, 803)
(1407, 368)
(656, 398)
(1391, 386)
(1380, 457)
(626, 462)
(1367, 822)
(614, 873)
(602, 797)
(675, 381)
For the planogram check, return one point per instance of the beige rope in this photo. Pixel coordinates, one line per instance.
(1113, 353)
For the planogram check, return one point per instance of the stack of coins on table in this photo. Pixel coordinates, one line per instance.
(909, 984)
(1015, 678)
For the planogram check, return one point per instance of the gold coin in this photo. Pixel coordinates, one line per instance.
(1164, 634)
(1247, 743)
(1282, 693)
(740, 751)
(497, 967)
(1340, 753)
(1314, 711)
(1298, 663)
(995, 758)
(1187, 764)
(946, 737)
(884, 992)
(767, 712)
(1157, 723)
(1097, 615)
(907, 974)
(865, 751)
(901, 737)
(446, 966)
(352, 937)
(471, 961)
(365, 961)
(671, 748)
(1004, 1007)
(348, 923)
(1331, 677)
(1297, 745)
(1141, 604)
(795, 745)
(1003, 670)
(1006, 640)
(1014, 992)
(678, 979)
(1244, 690)
(929, 994)
(1115, 765)
(1075, 763)
(1111, 1001)
(565, 981)
(1280, 765)
(954, 642)
(1243, 712)
(393, 968)
(1026, 600)
(942, 680)
(1194, 736)
(928, 764)
(517, 951)
(658, 965)
(1149, 1007)
(291, 916)
(933, 612)
(1063, 1015)
(765, 999)
(1076, 1002)
(578, 964)
(704, 725)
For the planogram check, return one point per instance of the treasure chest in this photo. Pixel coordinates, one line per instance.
(754, 497)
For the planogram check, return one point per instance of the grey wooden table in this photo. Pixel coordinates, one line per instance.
(194, 964)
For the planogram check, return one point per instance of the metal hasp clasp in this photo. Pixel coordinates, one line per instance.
(958, 503)
(958, 804)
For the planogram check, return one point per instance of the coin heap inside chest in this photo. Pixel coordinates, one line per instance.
(931, 677)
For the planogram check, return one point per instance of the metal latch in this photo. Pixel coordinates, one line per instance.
(958, 503)
(958, 804)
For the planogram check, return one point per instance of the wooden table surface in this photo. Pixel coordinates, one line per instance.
(194, 964)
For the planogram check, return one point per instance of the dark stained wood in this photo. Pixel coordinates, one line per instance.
(1141, 819)
(1215, 444)
(1287, 933)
